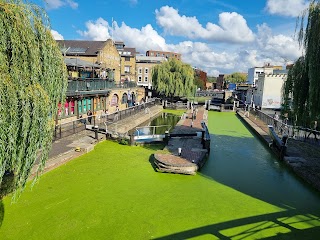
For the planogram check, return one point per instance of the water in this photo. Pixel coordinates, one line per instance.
(241, 161)
(163, 122)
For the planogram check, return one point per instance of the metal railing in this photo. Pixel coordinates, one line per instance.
(151, 132)
(282, 128)
(101, 120)
(95, 84)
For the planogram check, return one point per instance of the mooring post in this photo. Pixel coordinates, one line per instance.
(166, 137)
(132, 141)
(96, 132)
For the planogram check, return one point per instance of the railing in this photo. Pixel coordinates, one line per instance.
(177, 105)
(102, 121)
(95, 84)
(282, 128)
(151, 132)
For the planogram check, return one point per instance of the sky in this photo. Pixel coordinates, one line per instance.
(219, 37)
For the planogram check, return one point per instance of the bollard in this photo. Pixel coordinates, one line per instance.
(96, 132)
(179, 151)
(202, 137)
(132, 141)
(166, 137)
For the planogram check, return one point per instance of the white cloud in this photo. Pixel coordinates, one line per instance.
(292, 8)
(55, 4)
(277, 45)
(145, 38)
(232, 27)
(56, 35)
(213, 58)
(97, 31)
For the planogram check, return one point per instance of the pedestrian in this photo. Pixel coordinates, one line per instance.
(314, 129)
(275, 119)
(116, 114)
(89, 114)
(246, 110)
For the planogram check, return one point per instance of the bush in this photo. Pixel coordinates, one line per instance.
(123, 141)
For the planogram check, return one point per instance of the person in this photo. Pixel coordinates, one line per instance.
(246, 110)
(89, 114)
(82, 120)
(314, 130)
(116, 114)
(275, 119)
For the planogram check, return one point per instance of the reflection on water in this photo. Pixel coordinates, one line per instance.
(160, 124)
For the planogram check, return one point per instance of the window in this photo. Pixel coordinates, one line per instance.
(127, 69)
(114, 100)
(127, 59)
(146, 70)
(124, 98)
(146, 79)
(140, 70)
(139, 78)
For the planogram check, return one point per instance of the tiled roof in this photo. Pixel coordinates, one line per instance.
(80, 47)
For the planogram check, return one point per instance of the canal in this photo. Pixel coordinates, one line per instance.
(157, 126)
(113, 192)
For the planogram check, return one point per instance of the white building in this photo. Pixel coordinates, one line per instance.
(144, 65)
(268, 91)
(253, 73)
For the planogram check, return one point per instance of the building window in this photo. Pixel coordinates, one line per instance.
(140, 70)
(124, 98)
(127, 59)
(146, 79)
(126, 69)
(146, 70)
(140, 78)
(114, 100)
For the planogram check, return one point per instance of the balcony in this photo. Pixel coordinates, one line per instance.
(92, 86)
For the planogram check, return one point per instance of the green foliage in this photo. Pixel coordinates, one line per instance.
(32, 82)
(123, 141)
(236, 77)
(199, 83)
(212, 79)
(302, 89)
(173, 78)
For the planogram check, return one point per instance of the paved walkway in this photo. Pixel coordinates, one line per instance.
(64, 150)
(191, 147)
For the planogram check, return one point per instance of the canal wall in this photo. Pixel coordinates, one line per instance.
(68, 148)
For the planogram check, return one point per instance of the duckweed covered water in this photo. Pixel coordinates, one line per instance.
(113, 192)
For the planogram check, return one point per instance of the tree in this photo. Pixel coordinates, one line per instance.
(303, 82)
(33, 81)
(236, 77)
(199, 82)
(173, 78)
(212, 79)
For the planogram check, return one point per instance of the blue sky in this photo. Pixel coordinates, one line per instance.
(214, 35)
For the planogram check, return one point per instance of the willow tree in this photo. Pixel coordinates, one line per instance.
(305, 74)
(173, 78)
(32, 82)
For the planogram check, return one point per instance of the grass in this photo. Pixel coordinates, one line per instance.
(113, 192)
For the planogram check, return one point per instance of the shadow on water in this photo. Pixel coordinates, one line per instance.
(240, 161)
(252, 226)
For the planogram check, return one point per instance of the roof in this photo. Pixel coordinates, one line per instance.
(80, 47)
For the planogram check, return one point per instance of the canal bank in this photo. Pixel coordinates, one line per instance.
(301, 157)
(73, 146)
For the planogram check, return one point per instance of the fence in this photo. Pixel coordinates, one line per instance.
(283, 128)
(102, 121)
